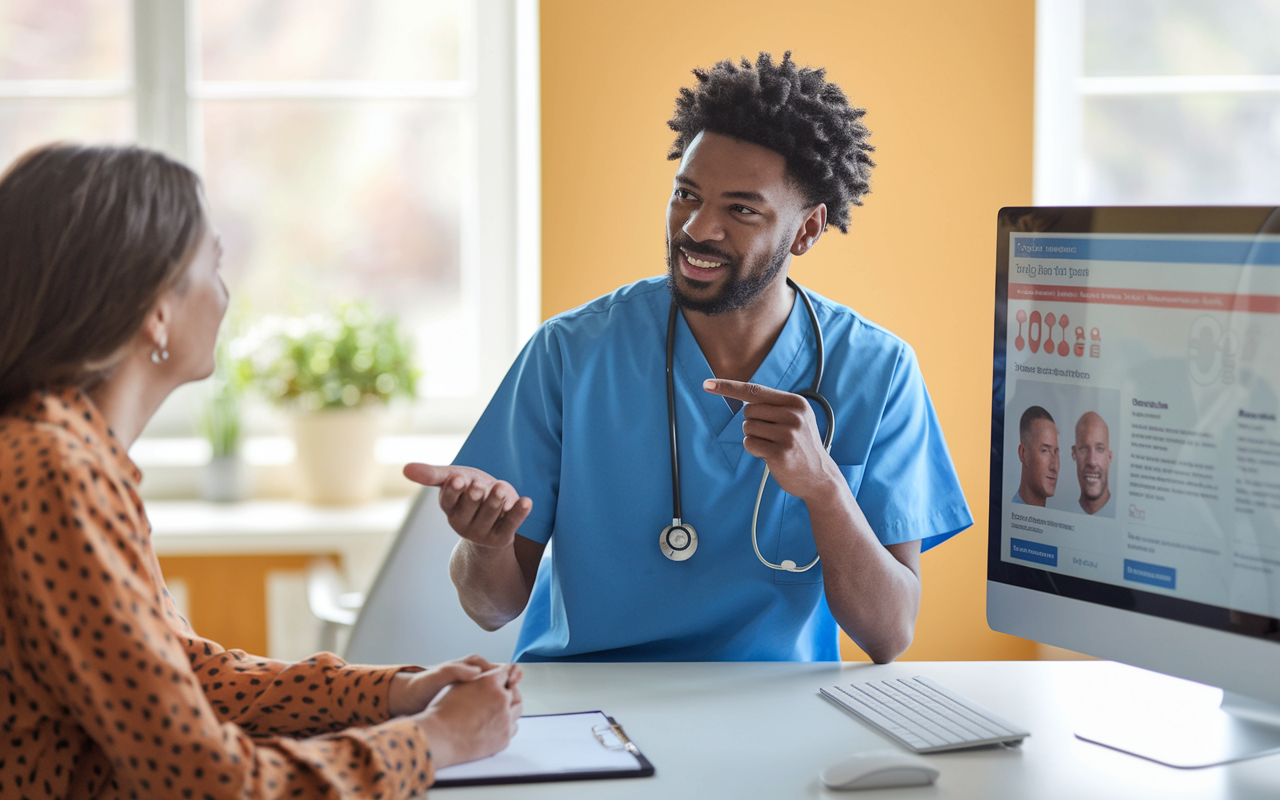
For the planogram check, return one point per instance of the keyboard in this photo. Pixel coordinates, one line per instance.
(923, 716)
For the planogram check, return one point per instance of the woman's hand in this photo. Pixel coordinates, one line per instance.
(475, 719)
(411, 692)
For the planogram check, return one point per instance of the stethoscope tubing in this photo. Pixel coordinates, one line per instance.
(676, 510)
(811, 393)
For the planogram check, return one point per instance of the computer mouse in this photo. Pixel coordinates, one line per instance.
(879, 769)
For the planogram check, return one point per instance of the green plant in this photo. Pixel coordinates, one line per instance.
(220, 416)
(220, 422)
(346, 357)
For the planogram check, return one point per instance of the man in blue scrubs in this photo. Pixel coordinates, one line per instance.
(575, 449)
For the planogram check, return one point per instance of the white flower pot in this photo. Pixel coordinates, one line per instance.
(336, 461)
(224, 480)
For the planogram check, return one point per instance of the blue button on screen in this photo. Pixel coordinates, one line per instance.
(1153, 574)
(1045, 554)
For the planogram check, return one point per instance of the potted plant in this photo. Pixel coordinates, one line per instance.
(333, 370)
(223, 480)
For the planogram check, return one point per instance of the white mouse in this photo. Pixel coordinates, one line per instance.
(879, 769)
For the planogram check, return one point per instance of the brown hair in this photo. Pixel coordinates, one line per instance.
(90, 237)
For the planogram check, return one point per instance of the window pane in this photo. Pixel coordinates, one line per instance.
(1182, 149)
(64, 39)
(27, 123)
(331, 39)
(320, 201)
(1182, 37)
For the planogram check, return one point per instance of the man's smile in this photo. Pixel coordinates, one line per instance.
(700, 268)
(697, 262)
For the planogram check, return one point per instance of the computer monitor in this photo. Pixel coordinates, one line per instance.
(1135, 454)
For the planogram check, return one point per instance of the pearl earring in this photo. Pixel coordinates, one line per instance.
(160, 353)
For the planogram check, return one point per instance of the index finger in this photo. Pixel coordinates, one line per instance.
(747, 392)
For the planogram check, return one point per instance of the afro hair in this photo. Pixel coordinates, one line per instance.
(791, 110)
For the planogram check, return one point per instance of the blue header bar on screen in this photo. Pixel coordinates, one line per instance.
(1174, 251)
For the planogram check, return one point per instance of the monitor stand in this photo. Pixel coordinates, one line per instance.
(1180, 723)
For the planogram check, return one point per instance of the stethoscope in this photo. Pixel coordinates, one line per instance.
(678, 541)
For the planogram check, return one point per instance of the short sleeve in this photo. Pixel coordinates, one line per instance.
(518, 438)
(909, 488)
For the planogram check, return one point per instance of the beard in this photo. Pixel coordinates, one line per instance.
(742, 286)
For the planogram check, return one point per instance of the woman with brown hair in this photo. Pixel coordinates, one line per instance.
(110, 298)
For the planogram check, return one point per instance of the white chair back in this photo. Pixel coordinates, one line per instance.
(411, 615)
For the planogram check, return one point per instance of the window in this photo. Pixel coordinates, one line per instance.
(1157, 102)
(350, 149)
(65, 72)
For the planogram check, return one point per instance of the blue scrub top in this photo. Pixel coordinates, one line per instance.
(579, 425)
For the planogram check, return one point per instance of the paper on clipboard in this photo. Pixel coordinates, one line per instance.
(550, 747)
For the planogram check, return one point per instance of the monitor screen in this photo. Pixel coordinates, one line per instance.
(1135, 461)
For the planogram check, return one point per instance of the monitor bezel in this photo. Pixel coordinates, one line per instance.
(1119, 220)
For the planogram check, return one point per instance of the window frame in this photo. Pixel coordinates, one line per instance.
(501, 269)
(1061, 88)
(500, 266)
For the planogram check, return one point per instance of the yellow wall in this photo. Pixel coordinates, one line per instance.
(948, 88)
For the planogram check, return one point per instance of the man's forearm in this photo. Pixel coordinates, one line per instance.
(490, 584)
(873, 595)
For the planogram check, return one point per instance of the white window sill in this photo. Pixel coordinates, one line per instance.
(195, 527)
(275, 450)
(173, 467)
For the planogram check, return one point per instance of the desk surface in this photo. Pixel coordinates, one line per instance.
(760, 730)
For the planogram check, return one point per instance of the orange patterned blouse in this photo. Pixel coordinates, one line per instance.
(106, 691)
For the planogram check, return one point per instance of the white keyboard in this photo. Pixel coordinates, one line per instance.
(923, 716)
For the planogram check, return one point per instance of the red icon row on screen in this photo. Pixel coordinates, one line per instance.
(1040, 333)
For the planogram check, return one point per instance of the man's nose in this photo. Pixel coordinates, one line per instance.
(703, 226)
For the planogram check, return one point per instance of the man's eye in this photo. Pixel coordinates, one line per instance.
(683, 194)
(744, 210)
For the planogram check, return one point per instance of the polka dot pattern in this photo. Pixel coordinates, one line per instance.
(107, 692)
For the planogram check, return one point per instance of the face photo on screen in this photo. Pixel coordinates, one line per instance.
(1092, 455)
(1039, 453)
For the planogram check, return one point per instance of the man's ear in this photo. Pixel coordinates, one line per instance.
(810, 230)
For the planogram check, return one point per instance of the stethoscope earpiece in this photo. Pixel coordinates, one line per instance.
(679, 540)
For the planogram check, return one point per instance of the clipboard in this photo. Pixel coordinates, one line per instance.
(589, 745)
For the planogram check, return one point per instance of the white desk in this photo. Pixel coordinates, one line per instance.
(760, 730)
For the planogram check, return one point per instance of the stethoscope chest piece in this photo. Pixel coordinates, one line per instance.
(678, 542)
